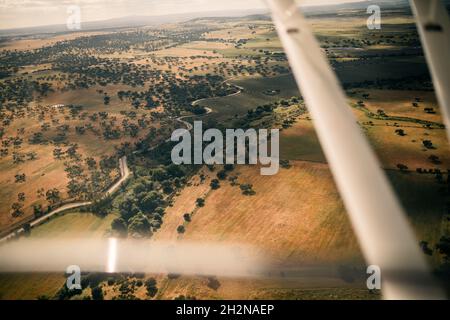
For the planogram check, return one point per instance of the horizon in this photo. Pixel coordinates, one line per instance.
(24, 14)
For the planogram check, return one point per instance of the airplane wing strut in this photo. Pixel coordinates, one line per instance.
(380, 224)
(434, 29)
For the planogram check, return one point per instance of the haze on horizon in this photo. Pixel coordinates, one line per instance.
(33, 13)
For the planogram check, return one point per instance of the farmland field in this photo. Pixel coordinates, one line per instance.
(75, 225)
(252, 95)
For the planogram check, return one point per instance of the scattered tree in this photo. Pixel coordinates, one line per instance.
(200, 202)
(150, 285)
(119, 225)
(97, 293)
(181, 229)
(215, 184)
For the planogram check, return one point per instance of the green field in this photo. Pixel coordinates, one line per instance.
(15, 286)
(300, 142)
(424, 202)
(252, 96)
(74, 224)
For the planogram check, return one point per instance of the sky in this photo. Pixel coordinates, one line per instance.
(30, 13)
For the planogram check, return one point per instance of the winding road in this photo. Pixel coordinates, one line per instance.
(208, 110)
(187, 124)
(124, 175)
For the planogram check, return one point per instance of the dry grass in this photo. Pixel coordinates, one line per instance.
(295, 219)
(29, 286)
(393, 149)
(33, 43)
(283, 219)
(300, 142)
(282, 289)
(185, 52)
(47, 172)
(399, 103)
(44, 172)
(75, 225)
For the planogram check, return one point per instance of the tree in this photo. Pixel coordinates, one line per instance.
(425, 248)
(427, 144)
(21, 197)
(181, 229)
(150, 285)
(20, 178)
(159, 174)
(200, 202)
(222, 174)
(199, 110)
(247, 189)
(119, 225)
(215, 184)
(27, 229)
(97, 293)
(444, 247)
(187, 217)
(38, 211)
(285, 164)
(381, 113)
(434, 159)
(174, 170)
(213, 283)
(128, 208)
(37, 138)
(167, 186)
(52, 196)
(140, 187)
(151, 201)
(80, 130)
(140, 226)
(159, 211)
(149, 103)
(17, 209)
(228, 167)
(91, 163)
(102, 206)
(57, 153)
